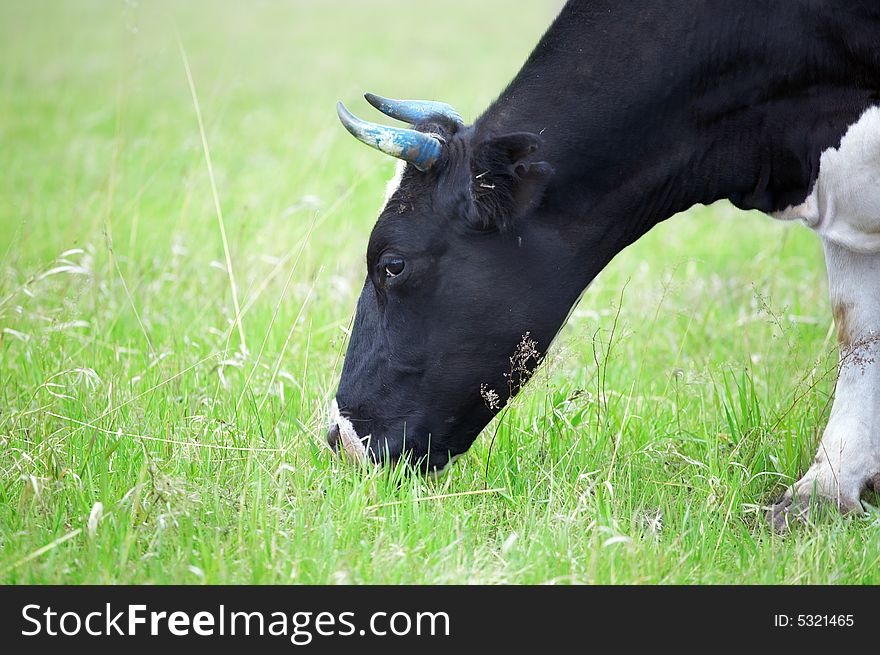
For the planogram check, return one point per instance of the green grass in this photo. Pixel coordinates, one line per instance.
(688, 389)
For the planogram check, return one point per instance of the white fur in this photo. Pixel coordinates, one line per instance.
(844, 205)
(352, 444)
(849, 454)
(394, 183)
(844, 209)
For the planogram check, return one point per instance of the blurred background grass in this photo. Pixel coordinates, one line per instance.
(672, 411)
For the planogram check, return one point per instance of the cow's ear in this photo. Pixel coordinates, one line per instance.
(506, 182)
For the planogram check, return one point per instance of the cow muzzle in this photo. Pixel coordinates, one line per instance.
(342, 436)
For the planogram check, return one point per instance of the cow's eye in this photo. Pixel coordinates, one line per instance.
(393, 266)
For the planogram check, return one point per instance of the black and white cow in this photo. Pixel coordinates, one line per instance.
(625, 114)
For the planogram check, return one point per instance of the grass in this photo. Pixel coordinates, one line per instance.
(687, 391)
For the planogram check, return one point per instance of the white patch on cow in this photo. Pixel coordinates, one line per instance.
(844, 205)
(352, 444)
(394, 183)
(844, 209)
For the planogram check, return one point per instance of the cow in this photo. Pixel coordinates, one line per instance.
(625, 114)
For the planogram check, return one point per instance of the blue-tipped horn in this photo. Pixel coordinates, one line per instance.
(419, 149)
(413, 111)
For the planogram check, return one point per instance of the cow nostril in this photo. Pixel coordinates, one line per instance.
(333, 436)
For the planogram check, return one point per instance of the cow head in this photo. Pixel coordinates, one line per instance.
(463, 294)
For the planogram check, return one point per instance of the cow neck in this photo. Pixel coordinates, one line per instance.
(648, 108)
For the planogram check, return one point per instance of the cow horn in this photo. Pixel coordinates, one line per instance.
(418, 148)
(413, 111)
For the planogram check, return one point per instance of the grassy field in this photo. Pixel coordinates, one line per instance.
(144, 438)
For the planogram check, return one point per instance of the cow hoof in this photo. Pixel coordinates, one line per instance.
(798, 508)
(792, 510)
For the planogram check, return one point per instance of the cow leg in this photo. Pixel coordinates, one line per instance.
(848, 459)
